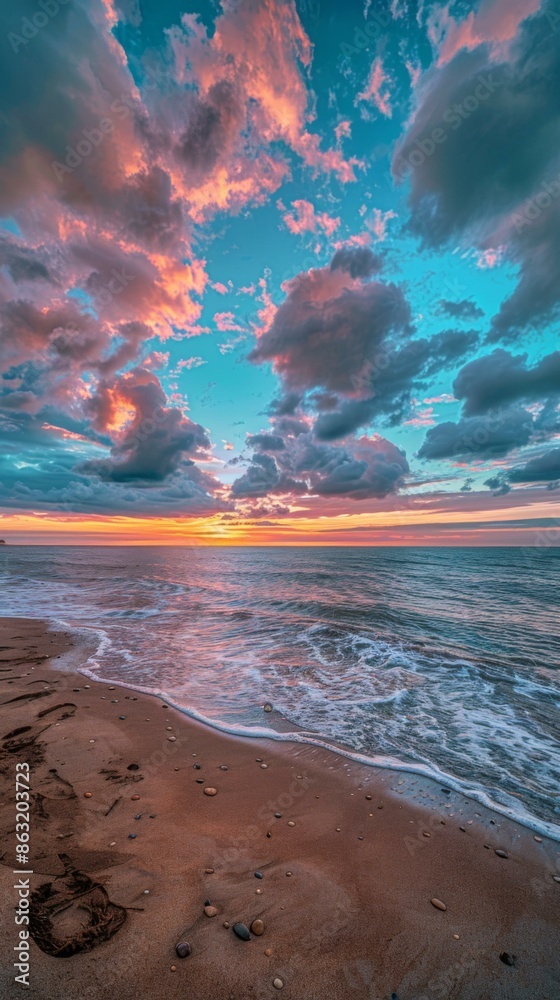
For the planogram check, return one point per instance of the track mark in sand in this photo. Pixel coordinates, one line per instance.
(17, 732)
(58, 909)
(54, 786)
(64, 704)
(28, 697)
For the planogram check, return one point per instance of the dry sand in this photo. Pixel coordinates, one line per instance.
(352, 920)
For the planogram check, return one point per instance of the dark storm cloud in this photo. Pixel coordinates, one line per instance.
(363, 468)
(211, 131)
(265, 442)
(393, 381)
(545, 468)
(155, 442)
(503, 117)
(359, 262)
(501, 378)
(22, 263)
(484, 437)
(463, 309)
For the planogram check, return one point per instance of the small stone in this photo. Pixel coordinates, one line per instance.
(242, 932)
(210, 791)
(269, 835)
(226, 924)
(211, 911)
(113, 843)
(88, 795)
(197, 767)
(556, 878)
(264, 766)
(173, 968)
(278, 984)
(133, 767)
(114, 701)
(258, 760)
(277, 815)
(172, 739)
(257, 927)
(291, 822)
(146, 892)
(138, 816)
(267, 707)
(199, 781)
(338, 829)
(208, 871)
(183, 949)
(223, 767)
(169, 729)
(111, 689)
(506, 958)
(538, 839)
(426, 834)
(122, 717)
(368, 797)
(288, 874)
(134, 798)
(438, 904)
(258, 874)
(268, 952)
(502, 854)
(92, 741)
(86, 687)
(258, 892)
(132, 836)
(456, 936)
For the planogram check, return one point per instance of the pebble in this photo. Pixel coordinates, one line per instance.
(291, 822)
(169, 729)
(264, 766)
(86, 687)
(506, 958)
(223, 767)
(113, 843)
(92, 741)
(114, 701)
(111, 689)
(210, 791)
(211, 911)
(288, 874)
(456, 936)
(258, 760)
(173, 968)
(257, 927)
(538, 839)
(208, 871)
(226, 924)
(133, 767)
(138, 816)
(277, 815)
(278, 984)
(183, 949)
(242, 932)
(122, 717)
(134, 798)
(338, 829)
(258, 874)
(268, 952)
(267, 707)
(438, 904)
(172, 739)
(200, 781)
(88, 795)
(132, 836)
(368, 797)
(502, 854)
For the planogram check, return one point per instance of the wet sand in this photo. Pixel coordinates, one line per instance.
(349, 868)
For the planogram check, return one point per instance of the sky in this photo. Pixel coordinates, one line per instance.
(277, 272)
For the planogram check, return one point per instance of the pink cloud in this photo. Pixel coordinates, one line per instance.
(304, 219)
(226, 322)
(378, 223)
(495, 22)
(375, 90)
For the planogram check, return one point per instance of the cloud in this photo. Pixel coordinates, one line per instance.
(545, 468)
(361, 469)
(463, 309)
(305, 219)
(376, 90)
(471, 109)
(500, 378)
(478, 437)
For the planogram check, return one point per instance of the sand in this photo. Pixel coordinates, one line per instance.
(367, 851)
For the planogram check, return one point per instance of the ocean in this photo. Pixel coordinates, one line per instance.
(443, 661)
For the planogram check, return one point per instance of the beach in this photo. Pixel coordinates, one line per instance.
(369, 883)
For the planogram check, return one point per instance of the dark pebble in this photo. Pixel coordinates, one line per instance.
(208, 902)
(502, 854)
(133, 767)
(506, 958)
(132, 836)
(197, 767)
(183, 949)
(242, 932)
(258, 874)
(122, 716)
(200, 781)
(462, 829)
(138, 816)
(277, 815)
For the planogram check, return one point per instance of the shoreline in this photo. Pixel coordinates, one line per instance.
(353, 919)
(478, 795)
